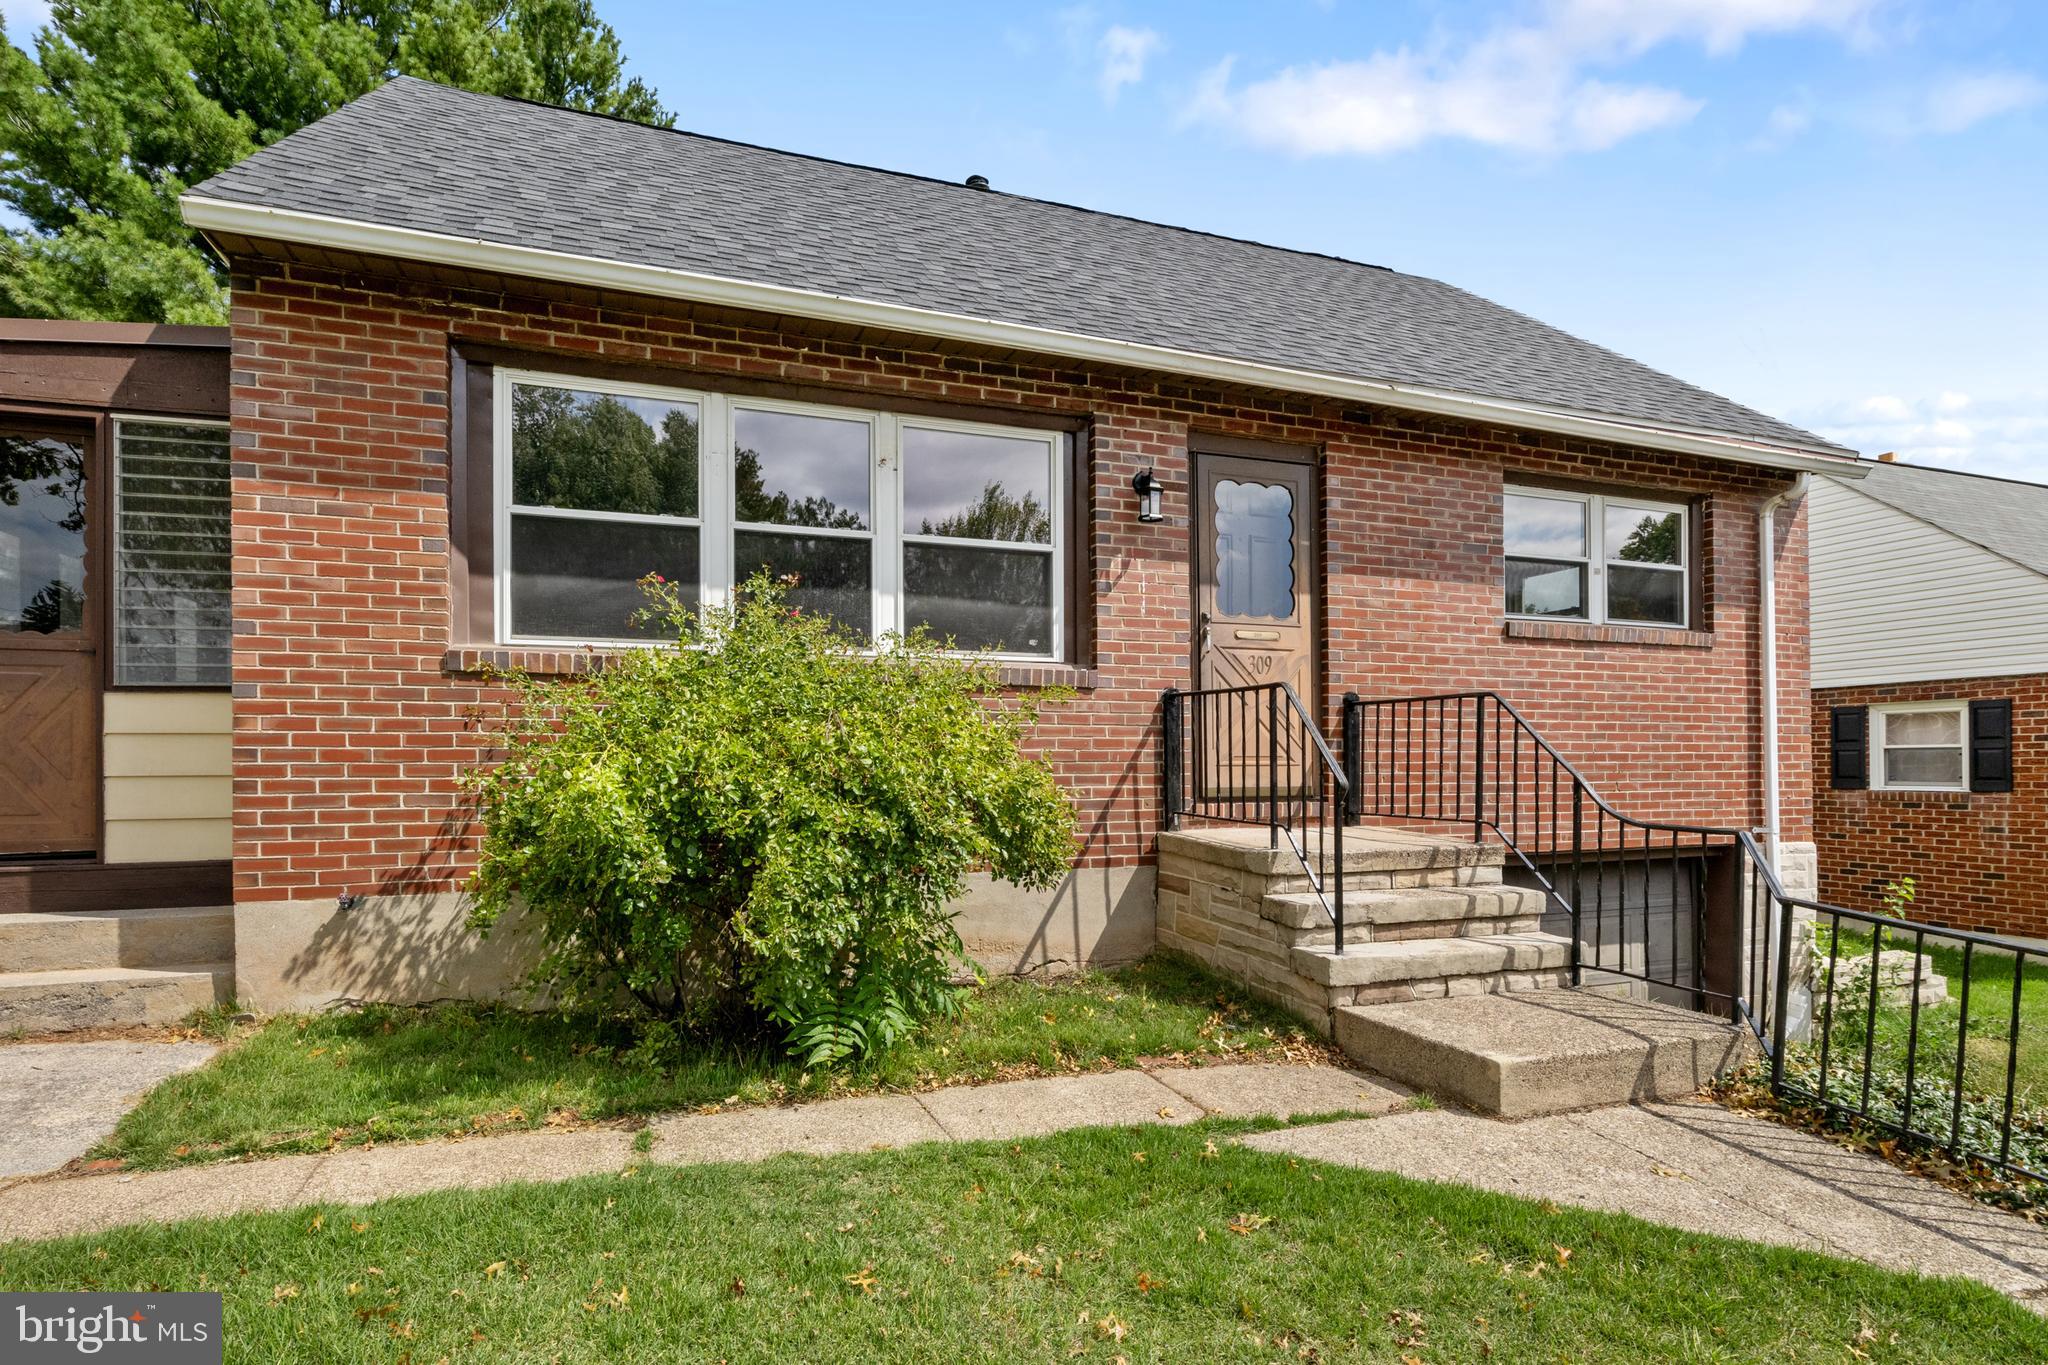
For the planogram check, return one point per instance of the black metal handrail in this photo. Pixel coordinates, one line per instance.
(1255, 756)
(1470, 760)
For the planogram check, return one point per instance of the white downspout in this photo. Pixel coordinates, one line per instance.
(1767, 612)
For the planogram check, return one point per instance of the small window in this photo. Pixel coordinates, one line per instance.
(1580, 557)
(173, 607)
(1919, 747)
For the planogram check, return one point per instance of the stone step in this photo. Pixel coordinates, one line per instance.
(109, 997)
(1542, 1053)
(1367, 850)
(1480, 962)
(76, 941)
(1409, 912)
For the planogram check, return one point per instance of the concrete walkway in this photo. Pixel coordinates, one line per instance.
(58, 1099)
(62, 1207)
(1694, 1166)
(1703, 1168)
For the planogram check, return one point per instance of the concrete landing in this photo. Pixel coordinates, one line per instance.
(1543, 1052)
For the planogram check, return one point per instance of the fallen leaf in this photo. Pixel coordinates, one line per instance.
(283, 1292)
(1564, 1254)
(1166, 1113)
(494, 1269)
(1112, 1327)
(1137, 1156)
(1146, 1284)
(865, 1280)
(738, 1288)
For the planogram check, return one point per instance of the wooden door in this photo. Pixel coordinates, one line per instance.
(1255, 607)
(49, 658)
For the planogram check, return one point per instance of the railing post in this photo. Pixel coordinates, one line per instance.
(1352, 730)
(1170, 730)
(1479, 769)
(1273, 766)
(1781, 997)
(1578, 839)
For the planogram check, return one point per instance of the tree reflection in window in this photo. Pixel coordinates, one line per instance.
(599, 452)
(42, 534)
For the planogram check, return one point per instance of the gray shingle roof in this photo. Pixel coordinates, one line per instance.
(2004, 516)
(416, 155)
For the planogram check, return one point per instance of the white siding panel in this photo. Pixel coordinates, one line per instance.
(1895, 599)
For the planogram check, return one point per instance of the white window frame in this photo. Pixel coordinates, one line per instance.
(1597, 559)
(1056, 487)
(717, 503)
(1880, 720)
(116, 570)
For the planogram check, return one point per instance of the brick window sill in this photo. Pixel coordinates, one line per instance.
(477, 660)
(1584, 633)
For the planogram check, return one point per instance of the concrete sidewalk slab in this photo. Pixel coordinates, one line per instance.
(1703, 1168)
(1249, 1091)
(823, 1129)
(1014, 1109)
(58, 1099)
(85, 1204)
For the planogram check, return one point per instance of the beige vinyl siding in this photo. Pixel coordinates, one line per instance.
(1895, 599)
(168, 762)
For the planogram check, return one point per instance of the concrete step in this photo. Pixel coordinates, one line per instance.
(1410, 912)
(1427, 965)
(1542, 1053)
(109, 997)
(74, 941)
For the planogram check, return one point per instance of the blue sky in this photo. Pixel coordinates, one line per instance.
(1833, 210)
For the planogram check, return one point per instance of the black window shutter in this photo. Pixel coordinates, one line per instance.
(1849, 748)
(1991, 746)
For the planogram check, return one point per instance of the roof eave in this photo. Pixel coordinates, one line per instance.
(476, 253)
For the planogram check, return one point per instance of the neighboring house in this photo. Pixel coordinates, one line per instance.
(931, 401)
(1930, 693)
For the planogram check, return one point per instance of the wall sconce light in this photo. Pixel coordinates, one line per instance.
(1150, 493)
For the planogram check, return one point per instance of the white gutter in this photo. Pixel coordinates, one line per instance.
(476, 253)
(1767, 614)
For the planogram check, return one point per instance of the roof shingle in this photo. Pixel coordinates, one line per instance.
(2004, 516)
(416, 155)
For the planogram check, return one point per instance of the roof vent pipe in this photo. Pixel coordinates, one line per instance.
(977, 182)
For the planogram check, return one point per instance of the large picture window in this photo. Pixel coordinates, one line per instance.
(881, 522)
(1586, 557)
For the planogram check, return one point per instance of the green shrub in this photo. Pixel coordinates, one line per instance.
(762, 822)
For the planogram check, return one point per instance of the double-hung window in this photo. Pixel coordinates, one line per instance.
(1920, 747)
(881, 522)
(1589, 557)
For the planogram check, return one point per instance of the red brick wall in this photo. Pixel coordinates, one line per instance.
(1979, 860)
(351, 731)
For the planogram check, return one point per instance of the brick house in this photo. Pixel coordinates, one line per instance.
(1930, 694)
(1367, 482)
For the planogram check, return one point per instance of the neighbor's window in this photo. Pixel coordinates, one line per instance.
(1577, 557)
(1920, 747)
(884, 522)
(173, 616)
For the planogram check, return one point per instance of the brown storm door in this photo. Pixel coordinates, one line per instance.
(1255, 602)
(49, 663)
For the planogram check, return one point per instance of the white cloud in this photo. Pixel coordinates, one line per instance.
(1524, 87)
(1957, 102)
(2005, 434)
(1124, 52)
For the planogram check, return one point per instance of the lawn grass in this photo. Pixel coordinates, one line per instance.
(1989, 1046)
(312, 1082)
(1099, 1244)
